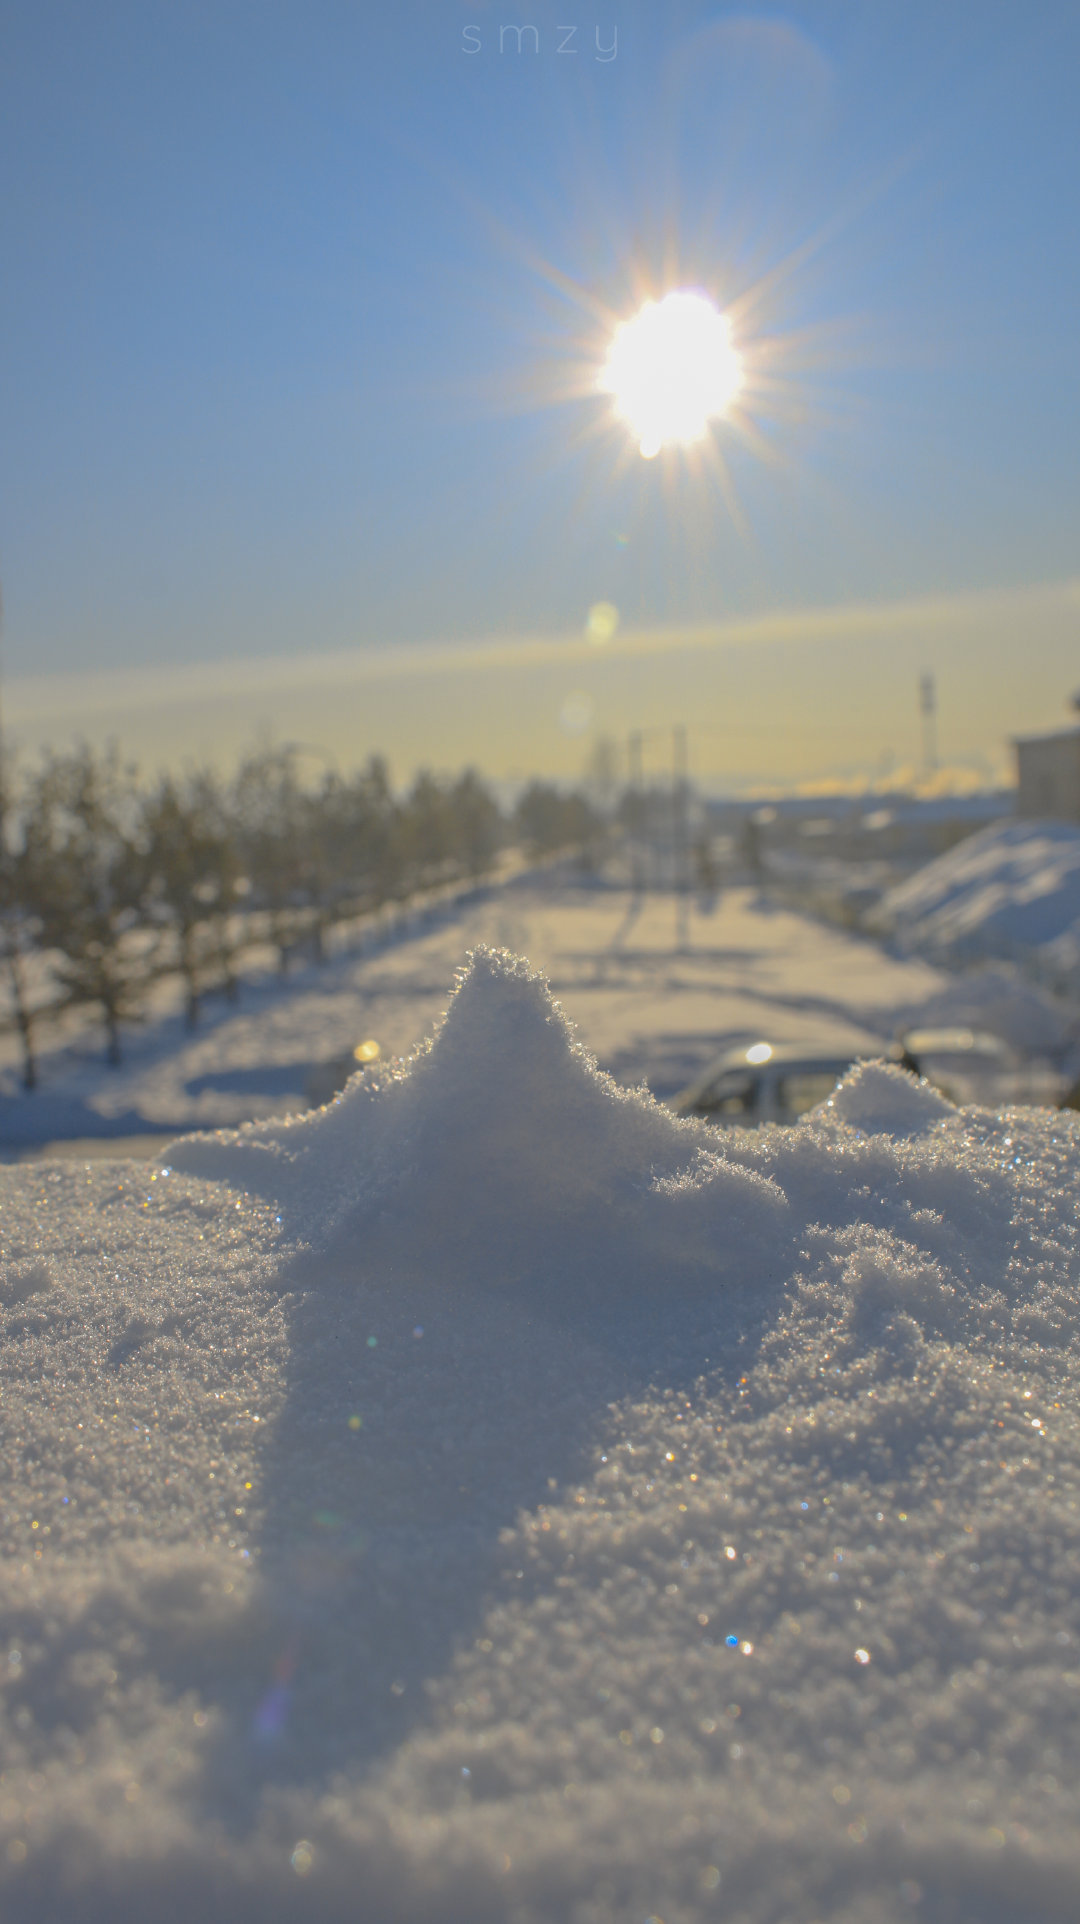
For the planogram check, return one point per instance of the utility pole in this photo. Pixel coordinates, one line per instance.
(928, 711)
(680, 839)
(634, 780)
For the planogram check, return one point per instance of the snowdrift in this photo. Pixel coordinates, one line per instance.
(501, 1152)
(490, 1498)
(1012, 890)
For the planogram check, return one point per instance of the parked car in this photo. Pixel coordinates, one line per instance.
(967, 1065)
(769, 1082)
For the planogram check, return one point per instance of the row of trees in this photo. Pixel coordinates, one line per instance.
(107, 883)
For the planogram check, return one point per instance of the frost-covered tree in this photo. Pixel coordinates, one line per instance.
(376, 855)
(547, 821)
(448, 829)
(191, 874)
(427, 833)
(353, 858)
(19, 923)
(476, 824)
(271, 813)
(84, 872)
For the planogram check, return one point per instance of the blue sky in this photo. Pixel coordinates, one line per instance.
(299, 306)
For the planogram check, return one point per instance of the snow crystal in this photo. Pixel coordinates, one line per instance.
(491, 1498)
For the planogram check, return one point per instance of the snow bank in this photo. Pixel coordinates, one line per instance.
(492, 1499)
(1011, 890)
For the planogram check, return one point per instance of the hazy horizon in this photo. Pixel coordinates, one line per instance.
(522, 706)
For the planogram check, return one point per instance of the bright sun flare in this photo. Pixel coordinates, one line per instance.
(671, 370)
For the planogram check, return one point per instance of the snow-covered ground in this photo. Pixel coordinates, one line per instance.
(490, 1499)
(1012, 890)
(649, 1008)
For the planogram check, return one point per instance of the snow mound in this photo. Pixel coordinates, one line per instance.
(490, 1498)
(502, 1148)
(881, 1100)
(1010, 890)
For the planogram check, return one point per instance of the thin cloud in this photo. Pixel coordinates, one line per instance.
(32, 698)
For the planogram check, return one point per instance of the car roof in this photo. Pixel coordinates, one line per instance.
(794, 1055)
(954, 1042)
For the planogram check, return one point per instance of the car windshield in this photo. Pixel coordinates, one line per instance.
(731, 1094)
(803, 1089)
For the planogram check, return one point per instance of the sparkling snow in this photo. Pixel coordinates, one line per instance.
(489, 1498)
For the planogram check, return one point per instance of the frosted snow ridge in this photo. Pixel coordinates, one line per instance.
(489, 1498)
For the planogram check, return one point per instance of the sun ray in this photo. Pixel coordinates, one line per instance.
(721, 472)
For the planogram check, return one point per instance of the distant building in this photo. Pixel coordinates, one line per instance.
(1048, 775)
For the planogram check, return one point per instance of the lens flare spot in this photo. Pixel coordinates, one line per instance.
(601, 622)
(368, 1051)
(576, 713)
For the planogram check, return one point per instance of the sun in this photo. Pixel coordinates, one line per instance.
(671, 370)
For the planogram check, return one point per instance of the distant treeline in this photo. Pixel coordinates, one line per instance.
(107, 884)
